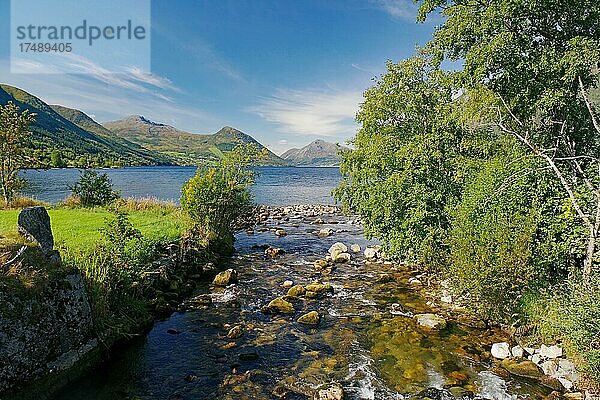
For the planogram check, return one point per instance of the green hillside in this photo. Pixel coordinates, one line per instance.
(76, 146)
(183, 147)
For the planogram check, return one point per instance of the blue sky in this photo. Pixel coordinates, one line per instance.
(286, 72)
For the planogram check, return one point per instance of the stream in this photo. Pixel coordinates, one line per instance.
(367, 339)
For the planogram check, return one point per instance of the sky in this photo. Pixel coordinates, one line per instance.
(286, 72)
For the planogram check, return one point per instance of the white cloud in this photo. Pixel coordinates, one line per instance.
(311, 112)
(401, 9)
(282, 142)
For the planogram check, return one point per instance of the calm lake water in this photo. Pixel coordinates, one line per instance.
(274, 185)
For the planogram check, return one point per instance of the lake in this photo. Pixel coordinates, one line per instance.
(274, 185)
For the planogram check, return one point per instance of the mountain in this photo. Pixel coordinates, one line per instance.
(55, 137)
(85, 122)
(317, 153)
(183, 147)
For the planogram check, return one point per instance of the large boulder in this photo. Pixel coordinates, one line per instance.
(34, 224)
(279, 305)
(337, 249)
(500, 350)
(310, 318)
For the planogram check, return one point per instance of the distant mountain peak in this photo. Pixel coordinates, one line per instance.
(317, 152)
(142, 119)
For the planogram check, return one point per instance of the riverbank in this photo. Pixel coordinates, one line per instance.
(121, 267)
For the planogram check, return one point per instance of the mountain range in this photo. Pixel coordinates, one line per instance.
(63, 136)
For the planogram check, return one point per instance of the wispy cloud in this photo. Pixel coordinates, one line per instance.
(108, 95)
(401, 9)
(311, 112)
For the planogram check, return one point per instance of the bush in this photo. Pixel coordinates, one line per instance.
(569, 313)
(509, 234)
(216, 197)
(94, 189)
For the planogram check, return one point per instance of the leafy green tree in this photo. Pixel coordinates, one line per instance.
(528, 70)
(57, 160)
(217, 197)
(403, 173)
(94, 189)
(13, 150)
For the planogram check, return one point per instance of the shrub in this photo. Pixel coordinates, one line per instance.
(216, 197)
(569, 313)
(509, 235)
(94, 189)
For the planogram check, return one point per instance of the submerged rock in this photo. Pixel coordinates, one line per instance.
(435, 394)
(523, 368)
(280, 232)
(325, 232)
(225, 278)
(431, 321)
(236, 332)
(273, 252)
(310, 318)
(342, 258)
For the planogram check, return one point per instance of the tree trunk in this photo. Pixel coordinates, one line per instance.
(588, 261)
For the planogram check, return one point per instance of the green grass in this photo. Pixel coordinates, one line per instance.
(79, 228)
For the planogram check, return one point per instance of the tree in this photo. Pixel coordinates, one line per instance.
(403, 171)
(57, 160)
(94, 189)
(217, 197)
(529, 67)
(13, 155)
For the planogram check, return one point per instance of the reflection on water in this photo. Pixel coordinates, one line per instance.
(274, 185)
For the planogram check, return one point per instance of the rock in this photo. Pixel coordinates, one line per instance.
(273, 252)
(311, 318)
(355, 248)
(280, 232)
(566, 369)
(414, 281)
(34, 224)
(567, 384)
(249, 356)
(446, 299)
(288, 283)
(435, 394)
(311, 294)
(536, 359)
(342, 258)
(431, 321)
(226, 277)
(331, 391)
(501, 350)
(574, 396)
(296, 291)
(550, 367)
(236, 332)
(552, 383)
(386, 278)
(319, 288)
(371, 253)
(318, 221)
(336, 249)
(279, 305)
(517, 351)
(523, 368)
(320, 264)
(325, 232)
(250, 231)
(550, 352)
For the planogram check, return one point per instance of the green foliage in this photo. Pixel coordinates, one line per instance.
(56, 159)
(217, 197)
(14, 131)
(94, 189)
(569, 312)
(402, 174)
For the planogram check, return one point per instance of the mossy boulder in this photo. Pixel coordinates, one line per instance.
(522, 367)
(296, 291)
(236, 332)
(225, 278)
(280, 305)
(310, 318)
(319, 288)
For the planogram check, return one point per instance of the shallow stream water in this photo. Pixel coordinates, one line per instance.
(367, 339)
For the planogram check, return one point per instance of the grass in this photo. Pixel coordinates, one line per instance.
(79, 228)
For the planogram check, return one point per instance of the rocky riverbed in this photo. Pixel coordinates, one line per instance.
(309, 309)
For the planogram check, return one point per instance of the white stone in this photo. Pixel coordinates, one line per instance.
(288, 283)
(336, 249)
(566, 383)
(566, 369)
(414, 281)
(550, 352)
(501, 350)
(530, 350)
(355, 248)
(325, 232)
(517, 351)
(370, 253)
(446, 299)
(536, 359)
(431, 321)
(550, 367)
(342, 257)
